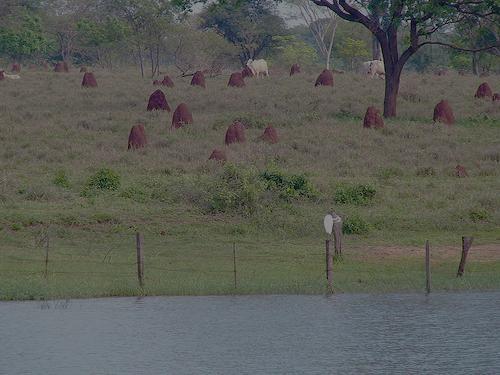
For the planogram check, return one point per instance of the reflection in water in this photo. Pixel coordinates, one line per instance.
(342, 334)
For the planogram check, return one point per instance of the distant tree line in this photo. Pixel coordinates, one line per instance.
(217, 34)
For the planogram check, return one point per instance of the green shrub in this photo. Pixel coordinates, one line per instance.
(235, 190)
(104, 179)
(355, 225)
(16, 227)
(356, 194)
(288, 186)
(61, 180)
(479, 215)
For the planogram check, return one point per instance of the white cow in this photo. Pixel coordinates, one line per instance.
(9, 76)
(258, 66)
(374, 68)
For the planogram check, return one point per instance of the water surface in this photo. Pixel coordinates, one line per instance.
(456, 333)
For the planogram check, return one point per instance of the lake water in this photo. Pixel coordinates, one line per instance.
(455, 333)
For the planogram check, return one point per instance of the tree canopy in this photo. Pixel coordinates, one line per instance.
(422, 19)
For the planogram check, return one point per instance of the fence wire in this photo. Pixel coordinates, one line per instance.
(281, 264)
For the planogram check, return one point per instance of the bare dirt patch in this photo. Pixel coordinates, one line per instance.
(382, 253)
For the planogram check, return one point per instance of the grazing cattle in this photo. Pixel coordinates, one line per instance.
(374, 68)
(258, 67)
(9, 76)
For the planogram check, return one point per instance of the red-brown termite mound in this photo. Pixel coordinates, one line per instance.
(198, 79)
(235, 133)
(373, 119)
(270, 135)
(137, 137)
(89, 80)
(182, 116)
(158, 102)
(443, 113)
(167, 81)
(236, 80)
(325, 78)
(484, 91)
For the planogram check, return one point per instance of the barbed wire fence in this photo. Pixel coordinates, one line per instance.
(235, 264)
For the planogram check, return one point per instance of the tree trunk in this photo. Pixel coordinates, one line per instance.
(376, 51)
(141, 62)
(392, 79)
(475, 64)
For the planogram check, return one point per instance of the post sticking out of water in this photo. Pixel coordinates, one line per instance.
(427, 267)
(140, 259)
(47, 245)
(234, 264)
(466, 245)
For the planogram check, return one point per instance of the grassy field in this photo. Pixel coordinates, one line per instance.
(394, 188)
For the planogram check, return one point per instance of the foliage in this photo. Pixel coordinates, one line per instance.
(100, 37)
(104, 179)
(24, 39)
(353, 49)
(355, 194)
(385, 19)
(250, 25)
(190, 49)
(235, 190)
(61, 180)
(288, 50)
(460, 61)
(479, 215)
(321, 24)
(288, 186)
(355, 225)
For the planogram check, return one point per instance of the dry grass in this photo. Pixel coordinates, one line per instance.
(50, 124)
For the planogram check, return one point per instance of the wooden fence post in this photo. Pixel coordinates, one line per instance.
(140, 259)
(337, 236)
(234, 264)
(47, 245)
(427, 267)
(329, 266)
(466, 245)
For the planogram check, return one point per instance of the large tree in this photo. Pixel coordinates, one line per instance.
(150, 22)
(250, 25)
(387, 19)
(322, 25)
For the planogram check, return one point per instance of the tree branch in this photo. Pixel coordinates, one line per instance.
(460, 48)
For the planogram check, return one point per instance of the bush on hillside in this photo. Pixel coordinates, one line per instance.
(288, 186)
(358, 195)
(103, 180)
